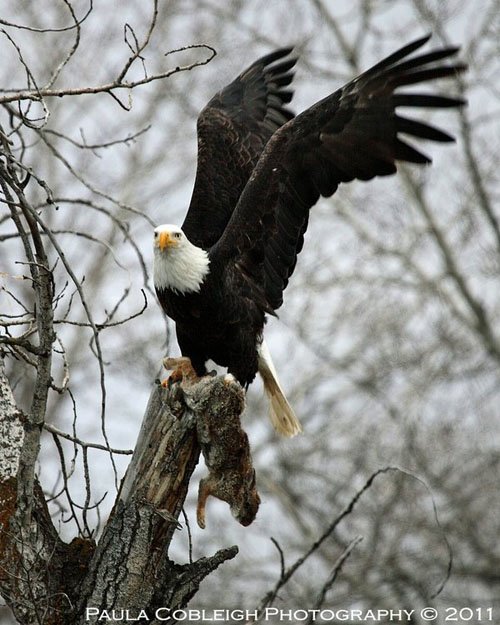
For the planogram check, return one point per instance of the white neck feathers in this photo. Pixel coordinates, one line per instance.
(181, 269)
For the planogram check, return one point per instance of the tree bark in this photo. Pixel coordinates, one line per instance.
(34, 562)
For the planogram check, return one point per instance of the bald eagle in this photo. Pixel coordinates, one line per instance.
(260, 170)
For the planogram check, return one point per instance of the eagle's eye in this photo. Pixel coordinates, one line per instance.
(156, 235)
(177, 235)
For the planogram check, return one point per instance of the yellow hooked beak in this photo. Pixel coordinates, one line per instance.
(165, 240)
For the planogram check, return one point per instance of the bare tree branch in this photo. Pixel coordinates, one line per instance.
(110, 87)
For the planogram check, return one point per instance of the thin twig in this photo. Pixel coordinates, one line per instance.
(85, 444)
(337, 567)
(33, 29)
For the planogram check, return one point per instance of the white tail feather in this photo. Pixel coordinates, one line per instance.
(280, 412)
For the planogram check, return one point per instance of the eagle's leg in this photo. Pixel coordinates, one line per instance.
(182, 369)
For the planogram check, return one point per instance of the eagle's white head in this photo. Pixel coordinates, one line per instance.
(178, 264)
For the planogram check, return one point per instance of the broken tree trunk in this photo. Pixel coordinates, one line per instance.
(150, 500)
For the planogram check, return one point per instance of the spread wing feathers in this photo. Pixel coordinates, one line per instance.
(232, 131)
(353, 133)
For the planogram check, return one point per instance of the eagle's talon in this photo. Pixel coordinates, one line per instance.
(182, 371)
(174, 378)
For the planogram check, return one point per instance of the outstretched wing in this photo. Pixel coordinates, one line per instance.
(232, 131)
(353, 133)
